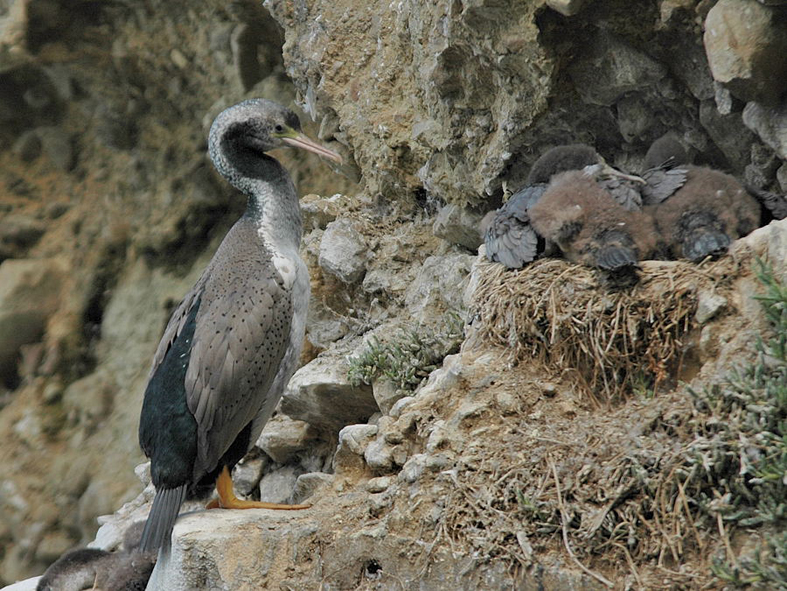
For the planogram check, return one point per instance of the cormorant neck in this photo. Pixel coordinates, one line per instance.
(272, 203)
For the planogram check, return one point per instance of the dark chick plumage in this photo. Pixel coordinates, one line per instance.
(89, 568)
(698, 211)
(74, 570)
(664, 169)
(705, 215)
(232, 344)
(589, 226)
(774, 205)
(510, 237)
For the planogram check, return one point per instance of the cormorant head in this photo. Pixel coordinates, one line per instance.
(241, 134)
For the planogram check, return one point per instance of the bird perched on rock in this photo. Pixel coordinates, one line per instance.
(702, 214)
(510, 237)
(577, 213)
(232, 344)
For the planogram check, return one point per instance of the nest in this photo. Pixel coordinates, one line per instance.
(614, 340)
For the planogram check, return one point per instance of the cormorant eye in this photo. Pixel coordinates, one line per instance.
(279, 129)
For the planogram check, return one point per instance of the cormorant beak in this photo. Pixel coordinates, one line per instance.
(607, 170)
(298, 140)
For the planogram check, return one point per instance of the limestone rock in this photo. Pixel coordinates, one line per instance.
(353, 441)
(454, 141)
(58, 146)
(567, 7)
(746, 47)
(324, 325)
(208, 544)
(29, 295)
(383, 457)
(308, 484)
(343, 252)
(439, 286)
(282, 438)
(249, 550)
(400, 405)
(247, 474)
(18, 232)
(318, 211)
(413, 468)
(770, 123)
(386, 394)
(708, 306)
(321, 394)
(728, 133)
(459, 225)
(609, 68)
(277, 486)
(26, 585)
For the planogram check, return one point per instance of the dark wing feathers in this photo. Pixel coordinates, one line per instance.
(662, 183)
(775, 203)
(176, 323)
(624, 191)
(616, 257)
(510, 239)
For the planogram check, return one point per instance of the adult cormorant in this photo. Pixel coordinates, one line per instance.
(233, 343)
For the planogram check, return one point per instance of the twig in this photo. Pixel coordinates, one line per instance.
(685, 503)
(563, 519)
(727, 545)
(631, 564)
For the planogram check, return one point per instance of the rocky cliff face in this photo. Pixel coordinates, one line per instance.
(111, 209)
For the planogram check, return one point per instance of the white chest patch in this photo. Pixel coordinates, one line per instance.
(286, 268)
(285, 258)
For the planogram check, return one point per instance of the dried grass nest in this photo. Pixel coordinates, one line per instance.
(613, 340)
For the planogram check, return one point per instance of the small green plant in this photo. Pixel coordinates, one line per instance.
(767, 569)
(409, 357)
(738, 461)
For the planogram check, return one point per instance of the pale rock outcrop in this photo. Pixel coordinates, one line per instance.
(438, 287)
(747, 49)
(29, 295)
(282, 438)
(770, 123)
(459, 225)
(343, 252)
(321, 394)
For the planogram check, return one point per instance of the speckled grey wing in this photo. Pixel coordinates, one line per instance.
(625, 192)
(510, 239)
(242, 332)
(661, 183)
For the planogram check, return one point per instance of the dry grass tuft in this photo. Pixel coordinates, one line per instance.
(614, 340)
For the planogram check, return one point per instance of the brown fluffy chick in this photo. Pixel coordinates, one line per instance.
(590, 227)
(704, 216)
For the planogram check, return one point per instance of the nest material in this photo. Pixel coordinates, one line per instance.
(614, 340)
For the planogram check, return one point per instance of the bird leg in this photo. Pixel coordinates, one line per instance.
(228, 500)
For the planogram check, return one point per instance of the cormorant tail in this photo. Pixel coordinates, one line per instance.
(158, 527)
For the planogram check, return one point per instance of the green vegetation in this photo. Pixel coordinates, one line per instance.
(410, 356)
(738, 461)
